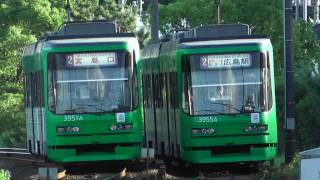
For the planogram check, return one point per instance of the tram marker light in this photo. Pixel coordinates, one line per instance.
(256, 128)
(118, 127)
(67, 129)
(203, 131)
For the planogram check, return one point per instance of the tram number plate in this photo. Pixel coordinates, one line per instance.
(73, 118)
(208, 120)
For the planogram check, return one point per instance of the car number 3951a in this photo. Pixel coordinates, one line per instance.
(73, 118)
(208, 120)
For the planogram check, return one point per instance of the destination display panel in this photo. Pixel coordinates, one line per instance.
(214, 61)
(91, 59)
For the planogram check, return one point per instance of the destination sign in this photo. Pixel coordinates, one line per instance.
(91, 59)
(225, 61)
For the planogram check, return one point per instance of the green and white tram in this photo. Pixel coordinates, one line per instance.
(209, 96)
(82, 94)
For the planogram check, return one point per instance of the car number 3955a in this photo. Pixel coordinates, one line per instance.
(207, 120)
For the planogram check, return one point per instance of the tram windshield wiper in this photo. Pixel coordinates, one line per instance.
(96, 106)
(207, 110)
(74, 110)
(226, 105)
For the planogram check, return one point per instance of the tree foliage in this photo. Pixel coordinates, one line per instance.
(23, 22)
(4, 175)
(86, 10)
(307, 85)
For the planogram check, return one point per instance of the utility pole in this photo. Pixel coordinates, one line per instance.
(290, 145)
(305, 10)
(68, 10)
(140, 7)
(218, 2)
(154, 22)
(297, 9)
(121, 4)
(315, 5)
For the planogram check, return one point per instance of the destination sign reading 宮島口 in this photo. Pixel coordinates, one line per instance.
(91, 59)
(225, 61)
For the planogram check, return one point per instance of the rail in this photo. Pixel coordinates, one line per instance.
(19, 154)
(120, 175)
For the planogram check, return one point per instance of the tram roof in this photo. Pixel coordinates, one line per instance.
(117, 39)
(84, 33)
(88, 39)
(242, 40)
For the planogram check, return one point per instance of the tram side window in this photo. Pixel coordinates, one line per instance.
(154, 89)
(34, 90)
(135, 82)
(266, 89)
(186, 83)
(28, 90)
(152, 85)
(149, 90)
(269, 88)
(38, 96)
(158, 90)
(41, 94)
(161, 89)
(146, 91)
(176, 96)
(154, 80)
(37, 93)
(173, 89)
(165, 87)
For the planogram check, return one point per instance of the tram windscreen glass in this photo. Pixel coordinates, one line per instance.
(224, 83)
(91, 82)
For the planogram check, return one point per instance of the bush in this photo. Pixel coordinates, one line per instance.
(4, 175)
(12, 119)
(288, 171)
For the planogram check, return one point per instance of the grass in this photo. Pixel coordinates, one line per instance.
(4, 175)
(279, 170)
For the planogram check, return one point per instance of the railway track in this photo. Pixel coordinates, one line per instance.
(132, 170)
(13, 150)
(20, 155)
(101, 176)
(210, 171)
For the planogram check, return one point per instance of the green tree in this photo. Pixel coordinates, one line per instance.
(194, 12)
(307, 85)
(86, 10)
(23, 22)
(4, 175)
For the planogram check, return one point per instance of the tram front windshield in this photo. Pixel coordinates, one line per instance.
(225, 83)
(93, 82)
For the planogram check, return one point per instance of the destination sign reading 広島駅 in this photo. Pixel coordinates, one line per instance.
(225, 61)
(91, 59)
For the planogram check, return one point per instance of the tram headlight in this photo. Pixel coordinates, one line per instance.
(202, 131)
(117, 127)
(67, 129)
(256, 128)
